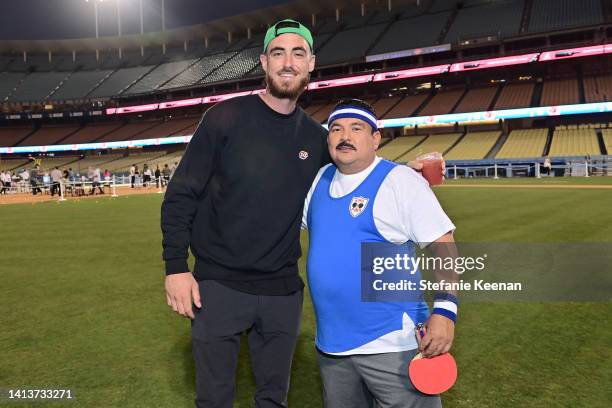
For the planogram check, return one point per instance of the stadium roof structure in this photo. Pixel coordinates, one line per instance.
(243, 23)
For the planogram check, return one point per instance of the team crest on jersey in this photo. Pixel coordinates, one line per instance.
(358, 205)
(303, 154)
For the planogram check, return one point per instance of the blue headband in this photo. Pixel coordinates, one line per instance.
(352, 111)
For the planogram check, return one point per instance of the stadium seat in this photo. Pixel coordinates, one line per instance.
(48, 135)
(12, 164)
(325, 26)
(477, 100)
(91, 132)
(411, 33)
(515, 96)
(406, 107)
(171, 127)
(598, 88)
(560, 92)
(607, 137)
(397, 147)
(235, 67)
(336, 50)
(130, 131)
(495, 18)
(8, 82)
(574, 142)
(523, 143)
(37, 86)
(159, 76)
(199, 70)
(547, 15)
(92, 160)
(169, 159)
(119, 80)
(48, 163)
(322, 114)
(473, 146)
(80, 84)
(123, 164)
(442, 102)
(384, 105)
(9, 136)
(433, 143)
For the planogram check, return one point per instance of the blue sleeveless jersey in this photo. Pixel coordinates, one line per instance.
(337, 227)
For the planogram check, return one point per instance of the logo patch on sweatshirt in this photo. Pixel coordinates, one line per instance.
(358, 205)
(303, 154)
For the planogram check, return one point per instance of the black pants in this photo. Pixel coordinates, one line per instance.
(272, 324)
(55, 188)
(35, 188)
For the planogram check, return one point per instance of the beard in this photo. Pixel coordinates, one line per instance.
(285, 91)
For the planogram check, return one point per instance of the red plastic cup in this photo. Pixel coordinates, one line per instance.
(432, 168)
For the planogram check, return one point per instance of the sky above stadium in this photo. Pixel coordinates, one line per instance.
(56, 19)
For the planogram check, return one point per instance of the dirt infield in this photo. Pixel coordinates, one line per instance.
(22, 198)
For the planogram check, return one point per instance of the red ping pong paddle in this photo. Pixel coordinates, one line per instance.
(433, 375)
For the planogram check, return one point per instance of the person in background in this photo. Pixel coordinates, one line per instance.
(146, 176)
(56, 178)
(157, 176)
(34, 182)
(46, 181)
(4, 181)
(68, 186)
(24, 179)
(138, 180)
(96, 178)
(166, 172)
(547, 166)
(132, 175)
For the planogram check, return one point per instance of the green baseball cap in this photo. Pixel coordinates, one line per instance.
(288, 26)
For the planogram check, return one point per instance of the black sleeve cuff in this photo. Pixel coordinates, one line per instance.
(176, 266)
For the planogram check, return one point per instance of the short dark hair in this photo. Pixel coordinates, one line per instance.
(355, 102)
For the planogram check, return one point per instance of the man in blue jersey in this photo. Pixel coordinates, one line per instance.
(364, 348)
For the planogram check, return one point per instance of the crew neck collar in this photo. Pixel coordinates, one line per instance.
(361, 173)
(275, 113)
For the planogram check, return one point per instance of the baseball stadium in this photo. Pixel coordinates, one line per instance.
(99, 100)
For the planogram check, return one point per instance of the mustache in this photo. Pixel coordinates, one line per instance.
(345, 144)
(287, 71)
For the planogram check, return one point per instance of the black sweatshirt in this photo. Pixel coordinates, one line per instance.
(237, 195)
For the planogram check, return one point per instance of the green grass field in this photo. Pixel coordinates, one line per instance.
(83, 307)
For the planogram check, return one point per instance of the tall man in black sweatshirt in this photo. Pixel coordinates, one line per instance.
(236, 199)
